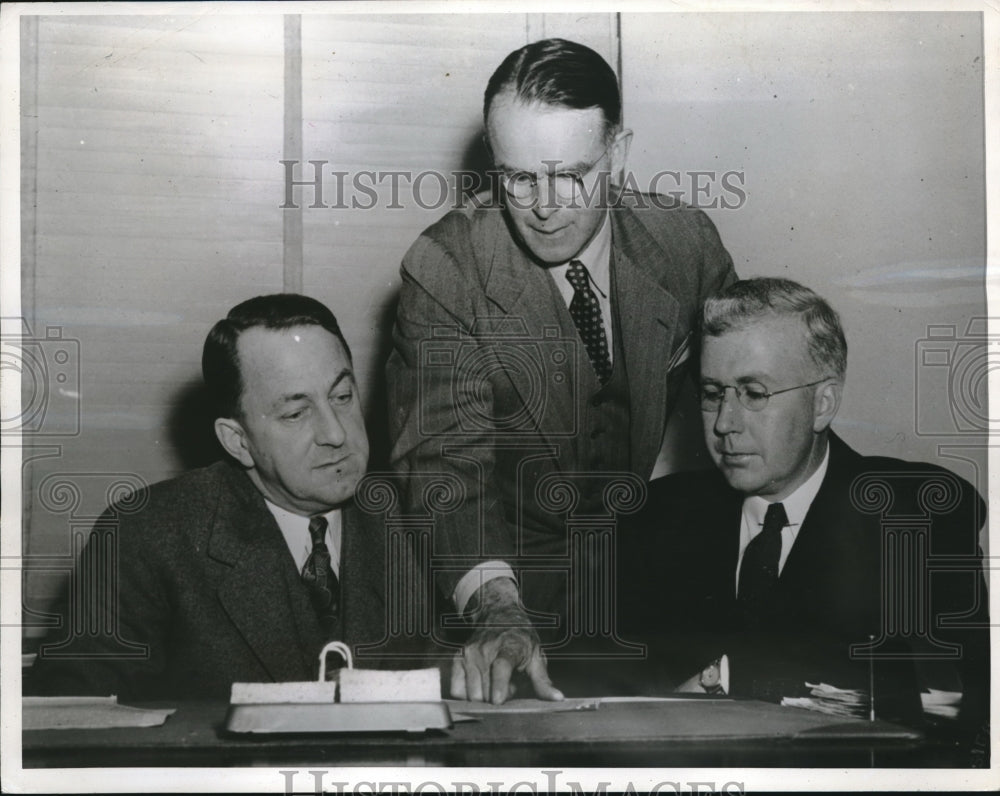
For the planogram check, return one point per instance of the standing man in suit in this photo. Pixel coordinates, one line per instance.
(243, 570)
(542, 335)
(797, 548)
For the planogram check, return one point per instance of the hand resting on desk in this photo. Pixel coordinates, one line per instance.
(503, 643)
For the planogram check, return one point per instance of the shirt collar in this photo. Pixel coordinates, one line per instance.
(796, 504)
(295, 530)
(597, 256)
(289, 519)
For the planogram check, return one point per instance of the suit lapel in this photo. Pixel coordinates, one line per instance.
(524, 291)
(828, 518)
(647, 314)
(515, 281)
(726, 514)
(364, 575)
(255, 591)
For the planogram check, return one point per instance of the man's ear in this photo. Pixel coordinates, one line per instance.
(233, 439)
(826, 402)
(619, 155)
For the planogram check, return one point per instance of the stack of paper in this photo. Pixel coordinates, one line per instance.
(832, 700)
(380, 685)
(85, 713)
(282, 693)
(941, 703)
(353, 685)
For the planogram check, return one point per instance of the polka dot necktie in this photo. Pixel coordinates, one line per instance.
(759, 569)
(586, 314)
(318, 575)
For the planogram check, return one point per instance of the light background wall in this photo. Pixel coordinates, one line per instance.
(860, 137)
(152, 189)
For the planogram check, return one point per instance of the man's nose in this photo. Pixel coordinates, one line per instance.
(329, 428)
(546, 202)
(729, 417)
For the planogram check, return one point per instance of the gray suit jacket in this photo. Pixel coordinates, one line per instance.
(473, 391)
(207, 594)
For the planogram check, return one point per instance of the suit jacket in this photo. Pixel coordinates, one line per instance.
(208, 594)
(474, 393)
(838, 587)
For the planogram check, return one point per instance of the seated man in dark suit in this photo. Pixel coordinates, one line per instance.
(799, 559)
(243, 570)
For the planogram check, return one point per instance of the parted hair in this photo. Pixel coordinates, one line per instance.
(220, 364)
(559, 72)
(737, 306)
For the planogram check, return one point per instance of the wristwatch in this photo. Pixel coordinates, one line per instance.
(711, 678)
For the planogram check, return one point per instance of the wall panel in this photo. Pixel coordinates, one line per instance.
(156, 210)
(860, 139)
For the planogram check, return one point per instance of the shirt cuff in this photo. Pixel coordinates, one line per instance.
(474, 579)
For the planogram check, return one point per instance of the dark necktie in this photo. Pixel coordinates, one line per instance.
(586, 314)
(318, 575)
(759, 570)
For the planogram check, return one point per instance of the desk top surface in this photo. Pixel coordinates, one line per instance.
(706, 731)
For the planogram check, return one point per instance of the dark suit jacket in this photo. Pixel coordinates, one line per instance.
(206, 583)
(469, 275)
(837, 588)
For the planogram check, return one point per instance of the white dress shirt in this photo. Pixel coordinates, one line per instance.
(295, 529)
(796, 505)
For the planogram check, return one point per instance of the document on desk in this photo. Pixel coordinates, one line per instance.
(85, 713)
(460, 707)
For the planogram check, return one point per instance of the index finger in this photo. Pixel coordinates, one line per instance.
(458, 690)
(539, 675)
(500, 676)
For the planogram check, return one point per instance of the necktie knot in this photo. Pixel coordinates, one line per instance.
(317, 529)
(577, 275)
(775, 518)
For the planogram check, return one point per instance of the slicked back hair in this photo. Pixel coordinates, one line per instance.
(558, 72)
(737, 307)
(220, 363)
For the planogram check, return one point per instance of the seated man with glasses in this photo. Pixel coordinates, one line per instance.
(798, 560)
(541, 336)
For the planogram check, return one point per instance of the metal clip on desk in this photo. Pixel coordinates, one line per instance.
(337, 717)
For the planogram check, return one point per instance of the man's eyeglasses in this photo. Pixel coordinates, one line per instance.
(566, 185)
(752, 395)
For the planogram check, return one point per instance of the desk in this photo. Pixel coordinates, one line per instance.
(700, 733)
